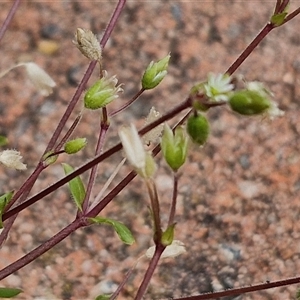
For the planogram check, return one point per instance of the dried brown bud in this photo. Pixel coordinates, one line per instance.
(88, 44)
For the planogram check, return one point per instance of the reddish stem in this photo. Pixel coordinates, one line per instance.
(262, 34)
(9, 17)
(159, 249)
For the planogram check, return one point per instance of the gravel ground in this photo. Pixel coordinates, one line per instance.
(238, 202)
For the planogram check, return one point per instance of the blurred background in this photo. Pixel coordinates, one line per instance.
(238, 202)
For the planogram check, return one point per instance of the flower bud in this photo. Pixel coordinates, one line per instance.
(249, 102)
(88, 44)
(102, 92)
(155, 73)
(198, 129)
(75, 145)
(174, 146)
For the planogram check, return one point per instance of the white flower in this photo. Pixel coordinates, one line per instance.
(88, 44)
(258, 87)
(273, 111)
(12, 159)
(41, 80)
(173, 250)
(218, 86)
(133, 146)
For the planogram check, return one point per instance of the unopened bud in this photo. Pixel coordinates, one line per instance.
(198, 129)
(155, 73)
(75, 145)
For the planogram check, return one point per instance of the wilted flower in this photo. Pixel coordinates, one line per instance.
(218, 86)
(12, 159)
(102, 92)
(41, 80)
(141, 160)
(274, 112)
(152, 135)
(176, 248)
(88, 44)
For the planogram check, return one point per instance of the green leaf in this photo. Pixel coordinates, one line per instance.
(103, 297)
(4, 200)
(3, 140)
(122, 231)
(9, 292)
(76, 186)
(278, 19)
(49, 158)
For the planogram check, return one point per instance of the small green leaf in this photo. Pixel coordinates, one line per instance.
(4, 200)
(168, 235)
(103, 297)
(49, 158)
(278, 19)
(3, 140)
(9, 292)
(123, 232)
(76, 186)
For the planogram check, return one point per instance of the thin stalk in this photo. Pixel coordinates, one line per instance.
(245, 54)
(123, 107)
(292, 15)
(174, 199)
(244, 290)
(9, 17)
(277, 7)
(34, 254)
(104, 125)
(159, 249)
(154, 210)
(68, 134)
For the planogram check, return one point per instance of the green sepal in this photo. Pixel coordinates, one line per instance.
(76, 187)
(75, 145)
(155, 73)
(49, 158)
(4, 200)
(9, 292)
(174, 146)
(168, 235)
(198, 129)
(278, 19)
(122, 231)
(249, 102)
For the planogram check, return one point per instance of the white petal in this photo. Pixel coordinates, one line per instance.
(41, 80)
